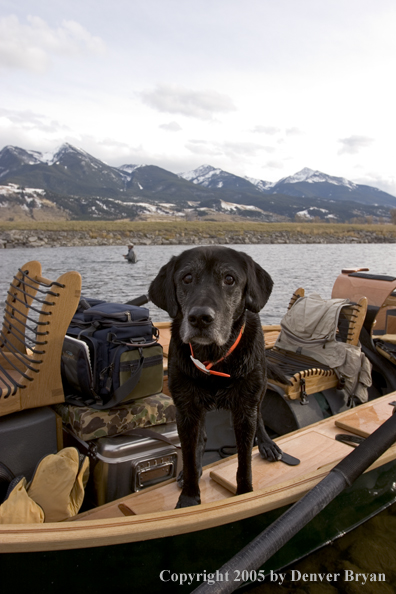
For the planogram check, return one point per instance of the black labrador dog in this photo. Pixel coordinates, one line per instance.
(216, 354)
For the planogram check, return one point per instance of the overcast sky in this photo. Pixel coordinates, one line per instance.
(260, 88)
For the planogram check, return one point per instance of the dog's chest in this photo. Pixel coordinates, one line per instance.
(215, 395)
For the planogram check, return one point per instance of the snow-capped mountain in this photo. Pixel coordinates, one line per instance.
(129, 169)
(210, 177)
(202, 175)
(312, 177)
(306, 183)
(86, 187)
(311, 184)
(68, 171)
(17, 156)
(260, 184)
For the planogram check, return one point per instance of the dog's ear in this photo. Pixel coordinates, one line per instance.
(258, 288)
(162, 290)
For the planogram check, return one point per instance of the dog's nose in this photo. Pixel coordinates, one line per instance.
(201, 317)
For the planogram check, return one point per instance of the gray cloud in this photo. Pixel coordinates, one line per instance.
(354, 144)
(386, 184)
(245, 148)
(274, 165)
(31, 130)
(198, 104)
(29, 120)
(31, 45)
(228, 148)
(171, 127)
(270, 130)
(293, 131)
(202, 147)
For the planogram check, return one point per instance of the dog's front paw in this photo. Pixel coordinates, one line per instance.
(187, 501)
(270, 451)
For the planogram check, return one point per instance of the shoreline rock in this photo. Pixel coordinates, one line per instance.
(37, 238)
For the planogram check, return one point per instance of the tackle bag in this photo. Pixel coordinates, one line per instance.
(110, 355)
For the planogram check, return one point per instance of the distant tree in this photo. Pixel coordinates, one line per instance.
(393, 216)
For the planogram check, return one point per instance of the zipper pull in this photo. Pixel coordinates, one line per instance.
(109, 371)
(109, 381)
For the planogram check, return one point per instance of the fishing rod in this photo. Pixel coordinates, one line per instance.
(142, 300)
(266, 544)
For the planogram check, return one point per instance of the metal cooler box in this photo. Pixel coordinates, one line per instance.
(123, 464)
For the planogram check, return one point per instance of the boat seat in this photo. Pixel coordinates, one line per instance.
(37, 314)
(306, 375)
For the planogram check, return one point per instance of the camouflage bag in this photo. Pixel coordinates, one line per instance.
(88, 423)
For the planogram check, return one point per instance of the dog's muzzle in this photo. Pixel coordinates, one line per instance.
(201, 317)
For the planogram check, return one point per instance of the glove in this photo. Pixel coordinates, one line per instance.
(58, 484)
(18, 507)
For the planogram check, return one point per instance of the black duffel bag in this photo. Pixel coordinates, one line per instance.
(110, 355)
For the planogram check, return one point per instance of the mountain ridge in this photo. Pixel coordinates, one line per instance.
(86, 187)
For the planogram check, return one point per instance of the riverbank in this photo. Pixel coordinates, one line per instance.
(101, 233)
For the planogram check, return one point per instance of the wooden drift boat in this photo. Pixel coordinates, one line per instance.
(140, 543)
(133, 541)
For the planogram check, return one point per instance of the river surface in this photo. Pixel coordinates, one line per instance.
(107, 275)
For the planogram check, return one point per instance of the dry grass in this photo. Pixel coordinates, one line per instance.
(214, 229)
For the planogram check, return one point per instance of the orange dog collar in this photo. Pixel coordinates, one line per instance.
(206, 367)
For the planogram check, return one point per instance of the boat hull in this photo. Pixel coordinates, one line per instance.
(159, 564)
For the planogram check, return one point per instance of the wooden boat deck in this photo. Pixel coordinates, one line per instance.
(151, 515)
(274, 483)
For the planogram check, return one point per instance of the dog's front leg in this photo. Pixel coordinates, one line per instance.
(202, 439)
(191, 432)
(245, 428)
(267, 448)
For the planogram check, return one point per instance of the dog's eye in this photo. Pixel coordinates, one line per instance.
(229, 280)
(187, 279)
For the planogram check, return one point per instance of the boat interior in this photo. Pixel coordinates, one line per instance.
(277, 484)
(306, 416)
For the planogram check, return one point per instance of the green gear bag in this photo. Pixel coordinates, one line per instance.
(151, 377)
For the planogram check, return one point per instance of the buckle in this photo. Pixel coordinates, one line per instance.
(303, 395)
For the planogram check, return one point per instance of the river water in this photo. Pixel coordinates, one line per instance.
(106, 275)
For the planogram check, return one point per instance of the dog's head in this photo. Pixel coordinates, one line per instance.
(210, 287)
